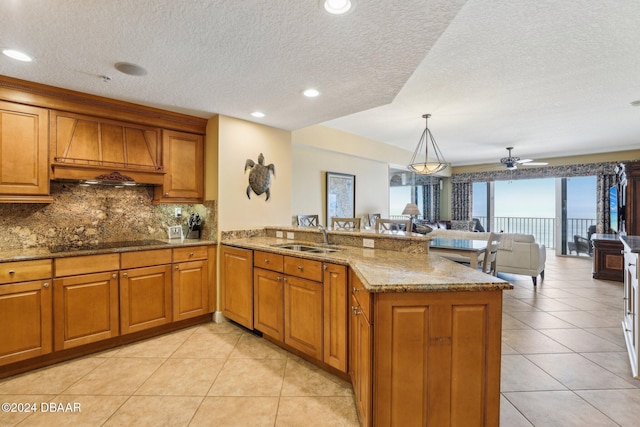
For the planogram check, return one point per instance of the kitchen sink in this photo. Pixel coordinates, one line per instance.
(306, 248)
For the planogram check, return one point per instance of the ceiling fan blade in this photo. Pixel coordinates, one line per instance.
(525, 160)
(536, 164)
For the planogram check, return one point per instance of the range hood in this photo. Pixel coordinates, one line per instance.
(92, 174)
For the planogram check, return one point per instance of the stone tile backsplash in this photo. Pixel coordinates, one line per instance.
(81, 216)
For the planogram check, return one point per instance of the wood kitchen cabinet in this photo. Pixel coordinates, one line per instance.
(190, 282)
(268, 294)
(145, 290)
(361, 350)
(335, 316)
(24, 161)
(608, 258)
(86, 146)
(25, 310)
(85, 299)
(236, 284)
(183, 160)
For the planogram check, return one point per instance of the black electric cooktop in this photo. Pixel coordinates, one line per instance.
(105, 245)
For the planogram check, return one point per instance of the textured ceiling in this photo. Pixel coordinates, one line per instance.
(549, 77)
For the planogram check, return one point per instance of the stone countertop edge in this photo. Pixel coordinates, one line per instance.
(389, 271)
(360, 233)
(631, 242)
(44, 253)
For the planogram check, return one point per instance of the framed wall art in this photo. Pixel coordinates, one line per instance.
(341, 196)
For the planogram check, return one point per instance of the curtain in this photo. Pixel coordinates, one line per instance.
(603, 211)
(461, 198)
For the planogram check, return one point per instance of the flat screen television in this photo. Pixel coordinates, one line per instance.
(614, 209)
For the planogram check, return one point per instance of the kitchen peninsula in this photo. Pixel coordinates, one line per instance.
(420, 335)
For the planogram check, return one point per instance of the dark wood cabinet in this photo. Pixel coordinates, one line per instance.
(608, 258)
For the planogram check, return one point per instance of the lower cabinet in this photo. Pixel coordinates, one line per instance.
(335, 316)
(190, 290)
(268, 303)
(236, 284)
(360, 359)
(145, 298)
(85, 309)
(631, 298)
(25, 316)
(303, 315)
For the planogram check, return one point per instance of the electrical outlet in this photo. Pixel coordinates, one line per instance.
(178, 212)
(368, 243)
(175, 232)
(279, 234)
(290, 235)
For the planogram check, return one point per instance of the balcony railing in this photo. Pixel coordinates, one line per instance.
(543, 229)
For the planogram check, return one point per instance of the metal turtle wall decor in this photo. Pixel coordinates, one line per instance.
(259, 177)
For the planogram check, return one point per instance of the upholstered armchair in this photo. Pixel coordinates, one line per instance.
(520, 254)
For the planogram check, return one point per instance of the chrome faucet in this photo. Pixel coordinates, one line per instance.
(324, 234)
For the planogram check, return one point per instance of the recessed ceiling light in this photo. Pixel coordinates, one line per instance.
(337, 7)
(130, 69)
(258, 114)
(636, 103)
(17, 55)
(311, 93)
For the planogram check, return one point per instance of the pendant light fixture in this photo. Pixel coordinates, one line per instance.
(427, 167)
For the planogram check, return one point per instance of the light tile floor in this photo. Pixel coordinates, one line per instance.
(564, 364)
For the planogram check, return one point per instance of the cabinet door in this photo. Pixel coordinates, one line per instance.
(437, 358)
(268, 303)
(25, 316)
(190, 290)
(183, 160)
(24, 162)
(145, 298)
(335, 316)
(360, 359)
(236, 276)
(85, 309)
(303, 315)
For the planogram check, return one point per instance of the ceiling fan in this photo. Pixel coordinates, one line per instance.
(512, 162)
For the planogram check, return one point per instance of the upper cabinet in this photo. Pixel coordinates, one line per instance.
(24, 134)
(87, 147)
(183, 160)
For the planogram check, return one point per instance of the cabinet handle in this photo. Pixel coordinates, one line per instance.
(266, 261)
(355, 289)
(278, 278)
(12, 272)
(300, 267)
(355, 310)
(324, 266)
(45, 285)
(177, 267)
(166, 194)
(190, 254)
(125, 275)
(114, 275)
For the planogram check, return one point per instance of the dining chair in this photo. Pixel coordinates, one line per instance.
(373, 218)
(308, 221)
(491, 254)
(385, 225)
(350, 224)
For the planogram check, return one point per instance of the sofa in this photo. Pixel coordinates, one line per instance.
(518, 253)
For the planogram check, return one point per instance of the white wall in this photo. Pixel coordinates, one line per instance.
(310, 165)
(239, 140)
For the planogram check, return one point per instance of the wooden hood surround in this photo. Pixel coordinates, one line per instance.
(96, 138)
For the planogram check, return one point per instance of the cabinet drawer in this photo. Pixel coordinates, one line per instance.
(189, 253)
(305, 268)
(268, 261)
(145, 258)
(22, 271)
(86, 264)
(361, 295)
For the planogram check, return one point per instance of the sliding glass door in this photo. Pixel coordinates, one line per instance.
(576, 201)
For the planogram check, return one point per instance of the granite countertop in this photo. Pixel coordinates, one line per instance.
(631, 242)
(44, 253)
(599, 236)
(390, 271)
